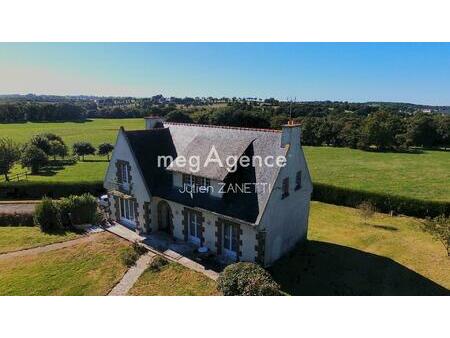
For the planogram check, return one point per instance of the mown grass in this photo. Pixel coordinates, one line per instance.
(424, 176)
(20, 238)
(174, 280)
(91, 268)
(345, 255)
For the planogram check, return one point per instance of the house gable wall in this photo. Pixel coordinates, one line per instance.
(123, 153)
(285, 220)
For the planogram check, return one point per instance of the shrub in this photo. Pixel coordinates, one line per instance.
(132, 254)
(247, 279)
(439, 227)
(129, 257)
(157, 263)
(16, 219)
(366, 210)
(382, 202)
(79, 209)
(47, 215)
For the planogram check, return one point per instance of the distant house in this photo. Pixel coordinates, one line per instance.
(257, 225)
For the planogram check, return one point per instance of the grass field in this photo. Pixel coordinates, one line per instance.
(19, 238)
(91, 268)
(174, 280)
(346, 256)
(422, 176)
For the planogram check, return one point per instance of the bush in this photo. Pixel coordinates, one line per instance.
(79, 209)
(247, 279)
(47, 216)
(157, 263)
(37, 190)
(132, 254)
(439, 227)
(16, 220)
(383, 203)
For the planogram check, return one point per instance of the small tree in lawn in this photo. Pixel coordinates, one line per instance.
(33, 158)
(9, 154)
(366, 210)
(83, 148)
(105, 149)
(439, 227)
(57, 149)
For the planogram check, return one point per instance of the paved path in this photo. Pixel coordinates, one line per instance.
(151, 244)
(17, 207)
(50, 247)
(132, 275)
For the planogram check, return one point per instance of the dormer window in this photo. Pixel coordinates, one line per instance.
(192, 180)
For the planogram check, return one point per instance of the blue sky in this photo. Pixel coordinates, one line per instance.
(402, 72)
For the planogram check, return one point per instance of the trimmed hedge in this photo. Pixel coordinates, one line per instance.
(37, 190)
(383, 203)
(16, 219)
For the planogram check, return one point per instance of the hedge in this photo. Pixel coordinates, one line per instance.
(384, 203)
(16, 219)
(37, 190)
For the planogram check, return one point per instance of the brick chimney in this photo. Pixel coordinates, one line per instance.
(290, 133)
(152, 122)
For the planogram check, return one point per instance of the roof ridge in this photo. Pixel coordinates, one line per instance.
(223, 127)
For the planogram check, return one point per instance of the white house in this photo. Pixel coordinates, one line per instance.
(255, 212)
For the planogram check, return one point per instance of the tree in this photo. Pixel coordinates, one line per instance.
(178, 116)
(105, 149)
(83, 148)
(57, 149)
(51, 144)
(34, 158)
(421, 130)
(439, 227)
(42, 142)
(9, 155)
(366, 210)
(380, 129)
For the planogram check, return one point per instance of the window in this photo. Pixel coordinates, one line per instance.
(195, 227)
(127, 210)
(230, 239)
(198, 181)
(123, 172)
(285, 188)
(298, 180)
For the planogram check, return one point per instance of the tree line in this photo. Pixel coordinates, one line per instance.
(378, 129)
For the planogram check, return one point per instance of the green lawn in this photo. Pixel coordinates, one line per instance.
(19, 238)
(423, 176)
(346, 256)
(91, 268)
(174, 280)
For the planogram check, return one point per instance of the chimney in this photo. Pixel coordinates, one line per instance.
(153, 122)
(290, 134)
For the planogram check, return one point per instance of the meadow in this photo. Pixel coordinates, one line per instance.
(423, 175)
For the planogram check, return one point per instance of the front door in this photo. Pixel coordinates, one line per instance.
(195, 228)
(230, 240)
(164, 217)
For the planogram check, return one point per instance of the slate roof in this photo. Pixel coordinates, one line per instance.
(177, 139)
